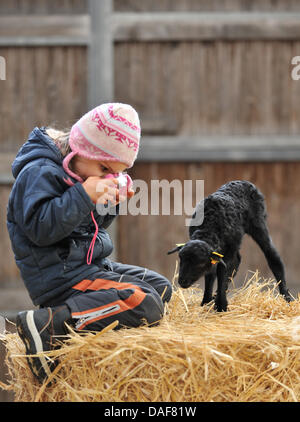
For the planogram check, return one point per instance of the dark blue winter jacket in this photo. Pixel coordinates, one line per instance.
(50, 223)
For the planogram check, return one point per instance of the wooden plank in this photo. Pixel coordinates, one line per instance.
(44, 30)
(162, 124)
(37, 41)
(164, 26)
(212, 88)
(200, 148)
(220, 148)
(39, 7)
(6, 159)
(44, 86)
(205, 5)
(173, 26)
(100, 55)
(6, 179)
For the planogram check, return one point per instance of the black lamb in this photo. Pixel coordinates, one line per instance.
(236, 208)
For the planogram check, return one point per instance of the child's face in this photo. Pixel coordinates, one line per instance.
(86, 168)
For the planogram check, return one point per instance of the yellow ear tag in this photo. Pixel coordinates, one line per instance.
(180, 244)
(215, 261)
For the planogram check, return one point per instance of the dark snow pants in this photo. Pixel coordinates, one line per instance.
(130, 294)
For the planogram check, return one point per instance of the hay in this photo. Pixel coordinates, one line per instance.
(250, 353)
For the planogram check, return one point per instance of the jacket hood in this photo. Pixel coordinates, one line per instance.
(38, 146)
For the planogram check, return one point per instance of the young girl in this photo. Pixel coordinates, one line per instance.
(59, 240)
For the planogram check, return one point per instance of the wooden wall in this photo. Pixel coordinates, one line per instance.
(40, 7)
(205, 88)
(206, 5)
(44, 85)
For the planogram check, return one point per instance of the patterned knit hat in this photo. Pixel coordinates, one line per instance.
(109, 132)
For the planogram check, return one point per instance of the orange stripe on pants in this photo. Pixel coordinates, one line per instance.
(131, 302)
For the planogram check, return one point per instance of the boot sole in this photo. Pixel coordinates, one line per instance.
(31, 338)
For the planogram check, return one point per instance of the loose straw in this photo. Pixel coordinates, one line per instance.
(249, 353)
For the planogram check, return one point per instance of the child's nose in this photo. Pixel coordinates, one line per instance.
(111, 175)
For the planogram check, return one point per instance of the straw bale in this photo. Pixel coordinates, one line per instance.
(250, 353)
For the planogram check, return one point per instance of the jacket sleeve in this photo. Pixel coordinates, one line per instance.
(44, 210)
(109, 218)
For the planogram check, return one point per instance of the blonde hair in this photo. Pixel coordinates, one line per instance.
(61, 139)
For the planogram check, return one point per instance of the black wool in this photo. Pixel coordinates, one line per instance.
(235, 209)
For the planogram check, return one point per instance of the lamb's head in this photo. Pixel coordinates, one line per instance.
(196, 258)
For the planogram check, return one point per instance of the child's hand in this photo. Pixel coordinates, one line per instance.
(125, 187)
(122, 198)
(101, 190)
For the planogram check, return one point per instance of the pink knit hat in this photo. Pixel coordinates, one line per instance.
(109, 132)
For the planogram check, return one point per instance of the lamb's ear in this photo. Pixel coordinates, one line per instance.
(178, 247)
(222, 263)
(195, 234)
(216, 258)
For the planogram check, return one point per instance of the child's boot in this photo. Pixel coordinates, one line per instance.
(39, 330)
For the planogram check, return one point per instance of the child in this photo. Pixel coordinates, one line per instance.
(59, 240)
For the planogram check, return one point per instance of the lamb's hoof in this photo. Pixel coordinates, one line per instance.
(205, 301)
(220, 306)
(288, 297)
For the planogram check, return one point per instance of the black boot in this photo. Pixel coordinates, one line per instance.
(39, 330)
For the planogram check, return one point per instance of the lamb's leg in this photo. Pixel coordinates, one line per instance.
(260, 234)
(232, 267)
(220, 299)
(209, 283)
